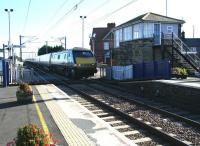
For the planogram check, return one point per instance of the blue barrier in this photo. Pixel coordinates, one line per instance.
(138, 72)
(145, 70)
(109, 73)
(149, 71)
(162, 69)
(5, 65)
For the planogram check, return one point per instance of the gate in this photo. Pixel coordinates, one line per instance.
(1, 73)
(4, 73)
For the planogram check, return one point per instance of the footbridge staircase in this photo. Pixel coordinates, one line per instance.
(182, 53)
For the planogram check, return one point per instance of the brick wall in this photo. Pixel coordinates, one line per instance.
(136, 51)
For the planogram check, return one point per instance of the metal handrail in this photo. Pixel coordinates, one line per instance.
(195, 59)
(182, 47)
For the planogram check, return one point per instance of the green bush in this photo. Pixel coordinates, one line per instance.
(180, 71)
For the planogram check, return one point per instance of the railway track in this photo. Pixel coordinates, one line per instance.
(178, 113)
(120, 116)
(124, 126)
(114, 105)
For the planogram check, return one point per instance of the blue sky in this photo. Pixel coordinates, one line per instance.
(47, 20)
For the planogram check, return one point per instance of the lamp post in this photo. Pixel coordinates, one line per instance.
(82, 17)
(9, 43)
(166, 7)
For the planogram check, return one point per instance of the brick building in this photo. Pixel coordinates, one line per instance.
(96, 41)
(148, 37)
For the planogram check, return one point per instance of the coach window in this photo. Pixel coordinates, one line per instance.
(58, 57)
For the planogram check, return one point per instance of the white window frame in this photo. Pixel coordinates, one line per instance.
(127, 33)
(193, 49)
(170, 29)
(106, 46)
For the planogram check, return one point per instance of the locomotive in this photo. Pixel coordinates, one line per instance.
(74, 63)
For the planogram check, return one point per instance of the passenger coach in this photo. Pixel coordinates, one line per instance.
(76, 62)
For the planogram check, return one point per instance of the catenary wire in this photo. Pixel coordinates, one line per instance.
(111, 13)
(26, 19)
(74, 8)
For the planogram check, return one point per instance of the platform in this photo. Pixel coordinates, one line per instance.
(78, 125)
(14, 115)
(189, 82)
(70, 122)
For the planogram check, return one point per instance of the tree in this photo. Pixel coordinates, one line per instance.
(48, 49)
(58, 48)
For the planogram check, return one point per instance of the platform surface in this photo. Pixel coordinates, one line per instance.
(189, 82)
(78, 125)
(14, 115)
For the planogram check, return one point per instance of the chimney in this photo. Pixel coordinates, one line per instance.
(183, 34)
(110, 25)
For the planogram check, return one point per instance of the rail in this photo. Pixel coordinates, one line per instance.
(149, 128)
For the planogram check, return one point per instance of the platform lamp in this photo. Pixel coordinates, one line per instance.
(83, 17)
(9, 41)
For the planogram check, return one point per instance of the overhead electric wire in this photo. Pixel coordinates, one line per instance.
(57, 10)
(74, 8)
(98, 7)
(113, 12)
(26, 19)
(74, 23)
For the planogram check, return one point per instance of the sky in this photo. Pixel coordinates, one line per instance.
(48, 20)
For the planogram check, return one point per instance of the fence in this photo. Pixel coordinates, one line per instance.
(1, 73)
(14, 75)
(145, 70)
(4, 73)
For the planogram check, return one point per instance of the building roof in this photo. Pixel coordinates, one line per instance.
(192, 42)
(100, 32)
(152, 17)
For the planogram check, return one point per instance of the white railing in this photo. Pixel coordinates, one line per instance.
(183, 48)
(186, 51)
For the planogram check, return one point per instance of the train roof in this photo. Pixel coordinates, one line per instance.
(80, 48)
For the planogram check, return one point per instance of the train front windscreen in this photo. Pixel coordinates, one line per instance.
(83, 57)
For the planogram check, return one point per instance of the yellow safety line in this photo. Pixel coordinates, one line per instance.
(41, 117)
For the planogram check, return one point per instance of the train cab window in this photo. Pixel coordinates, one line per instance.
(58, 57)
(83, 54)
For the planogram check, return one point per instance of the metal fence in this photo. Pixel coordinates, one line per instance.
(145, 70)
(1, 73)
(12, 74)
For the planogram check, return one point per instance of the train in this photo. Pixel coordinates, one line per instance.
(74, 63)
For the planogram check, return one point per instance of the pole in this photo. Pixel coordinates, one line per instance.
(65, 43)
(20, 43)
(93, 45)
(82, 17)
(3, 51)
(193, 30)
(46, 47)
(172, 63)
(9, 44)
(166, 7)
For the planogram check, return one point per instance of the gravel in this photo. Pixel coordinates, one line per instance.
(168, 125)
